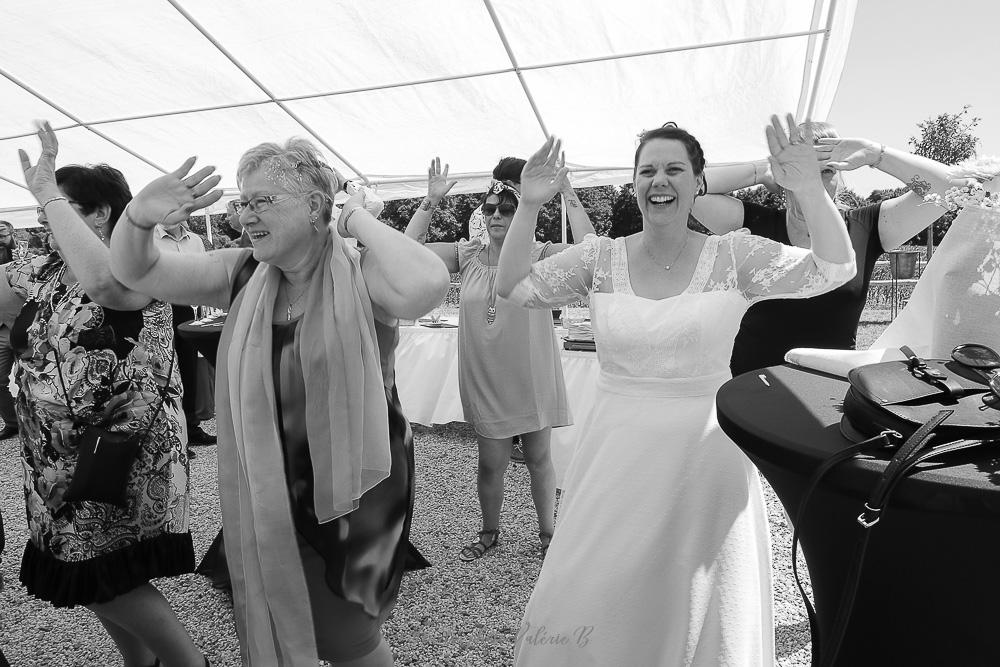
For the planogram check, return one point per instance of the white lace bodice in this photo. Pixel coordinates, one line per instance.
(684, 336)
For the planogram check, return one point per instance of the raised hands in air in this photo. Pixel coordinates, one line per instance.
(793, 158)
(543, 173)
(41, 178)
(438, 184)
(845, 154)
(171, 198)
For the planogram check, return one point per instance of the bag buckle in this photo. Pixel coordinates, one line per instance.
(888, 435)
(863, 517)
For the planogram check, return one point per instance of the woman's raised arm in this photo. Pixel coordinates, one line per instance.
(84, 253)
(171, 277)
(903, 217)
(438, 186)
(796, 169)
(404, 278)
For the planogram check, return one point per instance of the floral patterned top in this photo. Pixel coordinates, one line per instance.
(107, 368)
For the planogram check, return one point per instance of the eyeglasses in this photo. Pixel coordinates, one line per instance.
(506, 210)
(41, 211)
(261, 203)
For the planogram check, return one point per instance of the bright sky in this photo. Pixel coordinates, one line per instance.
(913, 59)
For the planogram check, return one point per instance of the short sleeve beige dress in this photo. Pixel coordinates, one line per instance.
(509, 370)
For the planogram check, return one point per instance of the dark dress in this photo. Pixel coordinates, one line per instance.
(353, 564)
(771, 328)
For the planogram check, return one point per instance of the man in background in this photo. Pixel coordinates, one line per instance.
(233, 220)
(180, 238)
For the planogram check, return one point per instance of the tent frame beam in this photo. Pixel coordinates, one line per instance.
(440, 79)
(257, 82)
(80, 123)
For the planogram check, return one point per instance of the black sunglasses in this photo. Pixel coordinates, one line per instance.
(505, 209)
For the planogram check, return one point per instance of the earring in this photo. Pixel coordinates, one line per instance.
(100, 231)
(312, 221)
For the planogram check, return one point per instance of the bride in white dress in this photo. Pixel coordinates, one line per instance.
(661, 551)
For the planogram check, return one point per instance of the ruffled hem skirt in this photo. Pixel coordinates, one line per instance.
(101, 579)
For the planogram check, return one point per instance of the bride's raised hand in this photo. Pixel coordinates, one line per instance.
(793, 159)
(41, 178)
(171, 198)
(543, 173)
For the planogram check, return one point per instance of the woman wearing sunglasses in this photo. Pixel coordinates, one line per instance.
(509, 369)
(315, 454)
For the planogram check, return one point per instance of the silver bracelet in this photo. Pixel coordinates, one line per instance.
(881, 154)
(52, 199)
(348, 218)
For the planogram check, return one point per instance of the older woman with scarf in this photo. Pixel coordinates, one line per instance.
(315, 455)
(509, 370)
(95, 357)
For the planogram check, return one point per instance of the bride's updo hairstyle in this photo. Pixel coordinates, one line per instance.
(297, 167)
(671, 131)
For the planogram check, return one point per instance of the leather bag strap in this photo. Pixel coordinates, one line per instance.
(884, 439)
(920, 370)
(912, 452)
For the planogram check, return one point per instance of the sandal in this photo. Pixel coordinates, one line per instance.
(478, 549)
(546, 540)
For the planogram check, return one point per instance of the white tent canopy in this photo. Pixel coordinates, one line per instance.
(385, 85)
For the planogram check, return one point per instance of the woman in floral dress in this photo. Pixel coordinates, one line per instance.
(92, 352)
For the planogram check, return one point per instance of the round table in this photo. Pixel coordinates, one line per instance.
(930, 586)
(204, 337)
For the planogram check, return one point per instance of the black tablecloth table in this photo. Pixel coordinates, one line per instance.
(204, 337)
(930, 589)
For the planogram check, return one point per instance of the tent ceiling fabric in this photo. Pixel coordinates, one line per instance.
(385, 85)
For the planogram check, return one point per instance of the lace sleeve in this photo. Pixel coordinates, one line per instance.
(766, 269)
(560, 279)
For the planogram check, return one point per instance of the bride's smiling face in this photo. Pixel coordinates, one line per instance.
(665, 182)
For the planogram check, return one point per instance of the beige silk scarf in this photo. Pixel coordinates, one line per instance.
(348, 431)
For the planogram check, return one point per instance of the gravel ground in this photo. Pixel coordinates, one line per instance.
(453, 613)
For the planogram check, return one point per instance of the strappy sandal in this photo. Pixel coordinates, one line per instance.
(546, 540)
(478, 549)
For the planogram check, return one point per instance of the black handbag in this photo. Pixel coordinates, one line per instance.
(104, 457)
(909, 412)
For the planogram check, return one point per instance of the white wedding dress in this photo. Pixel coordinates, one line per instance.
(661, 552)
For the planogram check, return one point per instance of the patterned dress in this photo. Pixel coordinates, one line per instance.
(113, 365)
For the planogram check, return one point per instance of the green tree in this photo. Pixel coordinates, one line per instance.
(762, 197)
(444, 225)
(949, 139)
(626, 218)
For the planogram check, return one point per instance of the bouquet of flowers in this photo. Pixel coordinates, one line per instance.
(970, 174)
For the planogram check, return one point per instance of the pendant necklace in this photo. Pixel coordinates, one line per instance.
(665, 267)
(292, 302)
(491, 310)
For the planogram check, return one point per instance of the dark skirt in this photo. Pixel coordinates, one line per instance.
(101, 579)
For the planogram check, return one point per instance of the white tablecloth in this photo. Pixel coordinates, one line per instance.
(427, 381)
